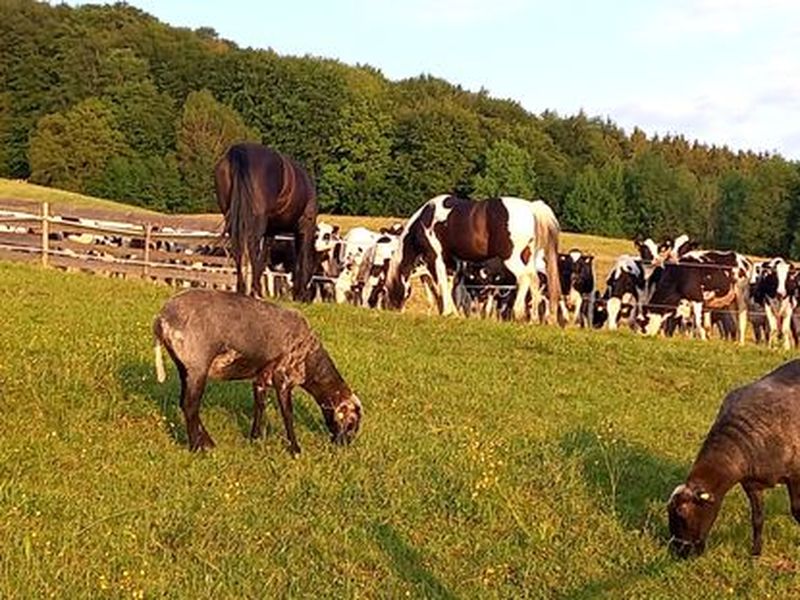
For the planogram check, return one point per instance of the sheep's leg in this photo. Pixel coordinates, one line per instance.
(793, 485)
(284, 394)
(757, 516)
(259, 401)
(192, 388)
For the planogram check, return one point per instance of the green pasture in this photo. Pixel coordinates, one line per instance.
(496, 460)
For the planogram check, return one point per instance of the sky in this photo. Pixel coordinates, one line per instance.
(725, 72)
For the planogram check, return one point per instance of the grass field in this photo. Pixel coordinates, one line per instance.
(496, 460)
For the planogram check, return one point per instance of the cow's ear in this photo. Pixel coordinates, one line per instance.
(589, 257)
(335, 229)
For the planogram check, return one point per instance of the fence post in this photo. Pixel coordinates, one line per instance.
(147, 231)
(45, 232)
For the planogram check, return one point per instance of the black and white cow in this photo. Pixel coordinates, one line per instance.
(776, 293)
(486, 288)
(576, 274)
(357, 249)
(625, 287)
(706, 280)
(377, 261)
(328, 249)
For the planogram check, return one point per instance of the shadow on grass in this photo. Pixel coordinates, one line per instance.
(626, 480)
(235, 397)
(625, 477)
(408, 563)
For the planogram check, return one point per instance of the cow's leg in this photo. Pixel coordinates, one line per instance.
(284, 394)
(757, 515)
(772, 322)
(589, 316)
(577, 301)
(613, 307)
(698, 322)
(193, 384)
(786, 328)
(259, 401)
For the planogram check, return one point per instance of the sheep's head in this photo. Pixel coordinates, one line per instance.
(691, 513)
(343, 419)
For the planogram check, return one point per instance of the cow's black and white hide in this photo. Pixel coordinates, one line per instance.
(672, 250)
(328, 250)
(377, 265)
(707, 280)
(576, 274)
(357, 250)
(776, 294)
(486, 288)
(625, 288)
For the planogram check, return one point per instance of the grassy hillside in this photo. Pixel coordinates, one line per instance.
(495, 460)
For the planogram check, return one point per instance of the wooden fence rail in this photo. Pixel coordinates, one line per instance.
(57, 241)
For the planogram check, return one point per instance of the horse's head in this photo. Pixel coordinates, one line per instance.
(344, 419)
(397, 281)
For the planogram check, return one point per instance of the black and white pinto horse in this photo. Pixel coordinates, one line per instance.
(447, 229)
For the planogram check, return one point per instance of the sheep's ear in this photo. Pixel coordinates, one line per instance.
(704, 496)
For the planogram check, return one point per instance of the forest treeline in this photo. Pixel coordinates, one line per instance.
(107, 100)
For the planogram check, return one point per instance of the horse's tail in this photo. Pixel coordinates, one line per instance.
(547, 231)
(306, 228)
(238, 220)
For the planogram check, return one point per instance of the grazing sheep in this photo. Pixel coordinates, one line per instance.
(755, 442)
(220, 335)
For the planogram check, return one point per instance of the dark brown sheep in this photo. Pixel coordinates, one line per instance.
(755, 442)
(221, 335)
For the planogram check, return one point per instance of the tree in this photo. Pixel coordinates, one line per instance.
(596, 203)
(508, 172)
(205, 130)
(435, 148)
(70, 150)
(353, 180)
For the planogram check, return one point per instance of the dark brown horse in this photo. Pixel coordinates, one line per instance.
(263, 193)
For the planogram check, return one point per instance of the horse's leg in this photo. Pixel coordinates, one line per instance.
(517, 267)
(445, 292)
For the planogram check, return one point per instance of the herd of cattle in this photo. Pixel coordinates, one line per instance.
(668, 288)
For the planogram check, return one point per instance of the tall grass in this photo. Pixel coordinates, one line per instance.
(495, 460)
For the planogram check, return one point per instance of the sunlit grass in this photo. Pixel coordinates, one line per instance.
(495, 460)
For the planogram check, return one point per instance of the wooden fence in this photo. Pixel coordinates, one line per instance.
(117, 249)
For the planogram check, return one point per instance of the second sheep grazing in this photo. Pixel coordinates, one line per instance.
(220, 335)
(755, 442)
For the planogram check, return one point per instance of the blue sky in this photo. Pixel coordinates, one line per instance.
(721, 71)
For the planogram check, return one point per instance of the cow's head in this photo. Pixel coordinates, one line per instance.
(583, 273)
(648, 250)
(326, 237)
(691, 512)
(649, 321)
